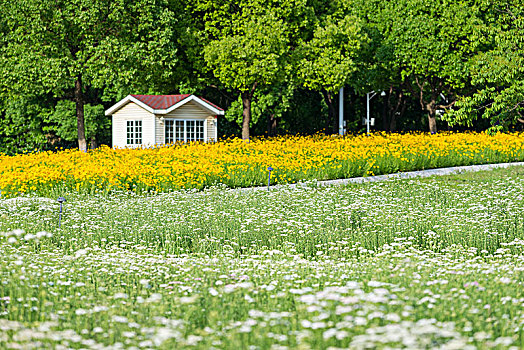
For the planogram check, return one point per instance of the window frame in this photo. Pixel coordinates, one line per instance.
(134, 132)
(175, 134)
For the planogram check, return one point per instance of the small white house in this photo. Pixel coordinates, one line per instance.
(146, 120)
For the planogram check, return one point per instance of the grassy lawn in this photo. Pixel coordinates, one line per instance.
(424, 263)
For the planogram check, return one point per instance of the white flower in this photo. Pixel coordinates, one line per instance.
(505, 280)
(377, 284)
(193, 339)
(270, 287)
(393, 317)
(188, 300)
(244, 329)
(163, 334)
(41, 234)
(80, 252)
(308, 298)
(155, 297)
(229, 288)
(505, 341)
(100, 308)
(18, 232)
(318, 325)
(305, 323)
(120, 296)
(245, 285)
(255, 313)
(80, 312)
(119, 319)
(329, 333)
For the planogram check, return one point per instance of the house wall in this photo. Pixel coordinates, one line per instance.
(159, 131)
(190, 110)
(131, 111)
(210, 124)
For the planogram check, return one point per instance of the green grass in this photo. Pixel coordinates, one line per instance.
(481, 176)
(425, 263)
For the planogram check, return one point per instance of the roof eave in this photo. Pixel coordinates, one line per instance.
(197, 100)
(125, 101)
(180, 103)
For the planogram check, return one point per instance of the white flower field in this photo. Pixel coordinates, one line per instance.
(433, 263)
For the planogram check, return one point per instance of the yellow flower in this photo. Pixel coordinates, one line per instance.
(237, 163)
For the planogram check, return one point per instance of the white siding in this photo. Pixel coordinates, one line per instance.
(159, 131)
(131, 111)
(210, 123)
(190, 110)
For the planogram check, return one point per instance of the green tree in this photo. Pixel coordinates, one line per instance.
(269, 103)
(422, 50)
(22, 124)
(249, 45)
(250, 57)
(71, 48)
(62, 121)
(328, 60)
(498, 73)
(377, 69)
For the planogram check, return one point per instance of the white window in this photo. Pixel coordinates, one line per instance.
(134, 132)
(178, 130)
(169, 130)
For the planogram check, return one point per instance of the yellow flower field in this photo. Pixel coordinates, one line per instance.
(236, 163)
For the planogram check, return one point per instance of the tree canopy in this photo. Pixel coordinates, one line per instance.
(251, 48)
(440, 63)
(498, 73)
(71, 48)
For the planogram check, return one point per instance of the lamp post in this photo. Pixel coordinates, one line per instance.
(341, 112)
(269, 178)
(369, 96)
(60, 200)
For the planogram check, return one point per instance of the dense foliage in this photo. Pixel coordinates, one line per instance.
(235, 163)
(411, 264)
(275, 66)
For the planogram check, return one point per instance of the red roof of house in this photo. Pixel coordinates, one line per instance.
(166, 101)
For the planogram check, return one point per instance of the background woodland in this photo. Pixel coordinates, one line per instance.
(276, 67)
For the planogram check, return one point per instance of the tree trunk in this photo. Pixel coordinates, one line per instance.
(93, 142)
(272, 125)
(331, 125)
(246, 114)
(395, 117)
(432, 121)
(393, 123)
(397, 110)
(80, 122)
